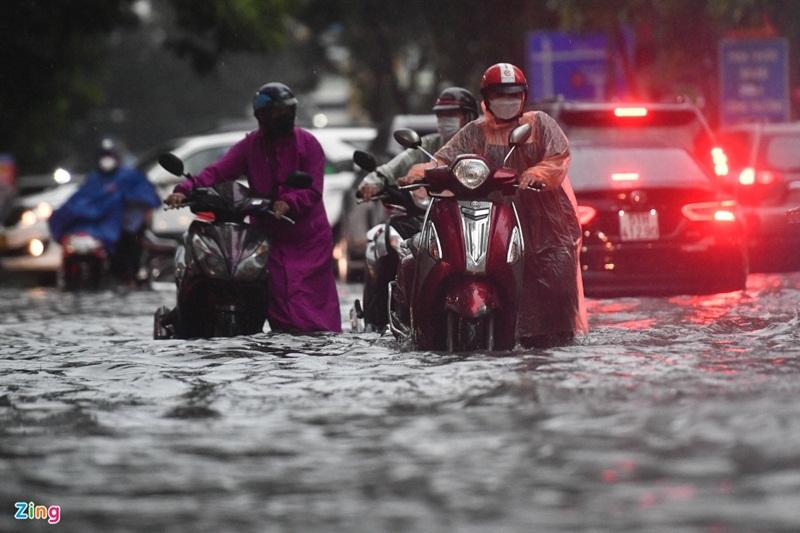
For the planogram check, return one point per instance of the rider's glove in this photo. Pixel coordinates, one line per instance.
(371, 185)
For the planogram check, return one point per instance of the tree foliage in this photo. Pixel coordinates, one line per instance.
(51, 51)
(393, 43)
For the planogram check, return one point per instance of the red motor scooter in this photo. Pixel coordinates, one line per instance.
(459, 290)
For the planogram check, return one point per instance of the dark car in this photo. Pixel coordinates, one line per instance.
(654, 223)
(765, 173)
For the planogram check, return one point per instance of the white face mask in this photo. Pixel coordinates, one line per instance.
(505, 107)
(107, 163)
(448, 126)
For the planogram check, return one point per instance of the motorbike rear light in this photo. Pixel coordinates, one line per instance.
(586, 214)
(625, 176)
(624, 112)
(720, 159)
(724, 211)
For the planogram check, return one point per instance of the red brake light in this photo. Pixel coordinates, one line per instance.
(747, 176)
(720, 159)
(585, 214)
(765, 177)
(630, 112)
(724, 211)
(625, 176)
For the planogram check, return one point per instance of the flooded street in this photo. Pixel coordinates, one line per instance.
(675, 414)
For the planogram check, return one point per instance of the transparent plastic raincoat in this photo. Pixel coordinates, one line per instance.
(552, 303)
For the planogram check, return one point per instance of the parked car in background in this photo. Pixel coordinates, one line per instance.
(25, 244)
(765, 174)
(654, 222)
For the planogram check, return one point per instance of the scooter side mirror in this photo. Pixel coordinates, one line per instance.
(171, 163)
(299, 180)
(407, 138)
(519, 135)
(516, 138)
(365, 160)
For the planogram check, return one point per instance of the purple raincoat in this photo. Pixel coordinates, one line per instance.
(302, 285)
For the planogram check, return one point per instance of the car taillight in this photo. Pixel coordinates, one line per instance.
(585, 214)
(720, 159)
(749, 176)
(625, 176)
(724, 211)
(630, 112)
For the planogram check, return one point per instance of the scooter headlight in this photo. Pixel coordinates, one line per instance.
(253, 262)
(471, 172)
(210, 257)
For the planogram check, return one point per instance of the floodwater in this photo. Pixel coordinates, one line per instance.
(674, 414)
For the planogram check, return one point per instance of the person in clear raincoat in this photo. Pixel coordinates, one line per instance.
(552, 308)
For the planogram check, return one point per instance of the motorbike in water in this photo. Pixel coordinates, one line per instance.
(157, 264)
(84, 262)
(458, 287)
(221, 265)
(384, 242)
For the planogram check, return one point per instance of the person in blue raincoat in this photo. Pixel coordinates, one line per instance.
(112, 205)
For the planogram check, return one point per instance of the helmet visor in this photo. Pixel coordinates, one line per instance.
(261, 100)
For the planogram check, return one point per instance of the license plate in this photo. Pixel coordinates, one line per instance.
(638, 226)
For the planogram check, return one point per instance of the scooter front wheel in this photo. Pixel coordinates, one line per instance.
(469, 334)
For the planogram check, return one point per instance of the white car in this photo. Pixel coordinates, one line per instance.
(25, 244)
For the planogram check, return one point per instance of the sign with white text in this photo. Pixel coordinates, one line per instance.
(754, 81)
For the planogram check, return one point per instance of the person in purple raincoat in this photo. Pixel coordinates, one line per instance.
(302, 286)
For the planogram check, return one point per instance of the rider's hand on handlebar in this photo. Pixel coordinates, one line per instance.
(416, 173)
(529, 180)
(175, 199)
(368, 190)
(280, 208)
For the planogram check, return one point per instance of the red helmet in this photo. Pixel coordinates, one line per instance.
(503, 78)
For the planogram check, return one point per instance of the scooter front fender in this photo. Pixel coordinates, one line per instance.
(472, 298)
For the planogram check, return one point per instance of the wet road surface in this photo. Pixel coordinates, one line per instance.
(675, 414)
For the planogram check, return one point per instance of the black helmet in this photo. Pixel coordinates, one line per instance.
(108, 146)
(457, 99)
(273, 94)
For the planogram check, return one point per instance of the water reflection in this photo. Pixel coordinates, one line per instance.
(674, 414)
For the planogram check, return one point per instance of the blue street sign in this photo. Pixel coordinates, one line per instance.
(572, 66)
(754, 81)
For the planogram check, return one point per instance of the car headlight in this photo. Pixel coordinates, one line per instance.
(43, 211)
(40, 213)
(471, 172)
(28, 218)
